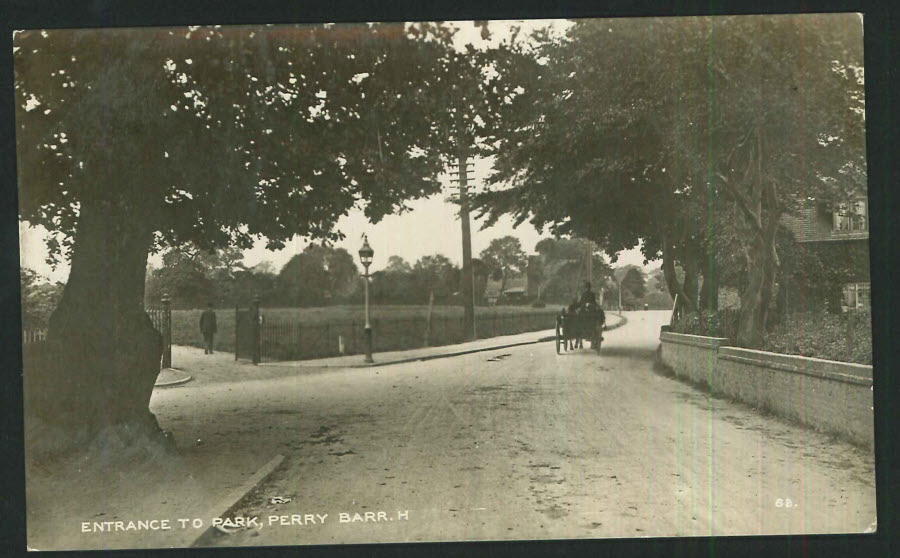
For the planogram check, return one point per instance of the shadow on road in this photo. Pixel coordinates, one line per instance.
(644, 353)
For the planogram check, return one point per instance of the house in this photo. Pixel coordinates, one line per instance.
(514, 292)
(839, 234)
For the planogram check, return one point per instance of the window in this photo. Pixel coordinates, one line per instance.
(852, 216)
(857, 296)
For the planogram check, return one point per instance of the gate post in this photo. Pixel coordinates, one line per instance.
(256, 329)
(167, 332)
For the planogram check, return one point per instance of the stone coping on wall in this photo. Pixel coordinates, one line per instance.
(693, 340)
(859, 374)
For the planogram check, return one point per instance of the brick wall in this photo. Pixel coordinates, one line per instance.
(834, 397)
(816, 223)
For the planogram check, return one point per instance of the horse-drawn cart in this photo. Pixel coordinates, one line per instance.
(573, 326)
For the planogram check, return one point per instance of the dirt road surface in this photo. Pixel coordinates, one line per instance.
(522, 444)
(517, 443)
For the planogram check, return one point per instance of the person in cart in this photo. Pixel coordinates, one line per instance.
(588, 297)
(588, 303)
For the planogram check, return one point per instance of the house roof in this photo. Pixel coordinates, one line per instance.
(512, 283)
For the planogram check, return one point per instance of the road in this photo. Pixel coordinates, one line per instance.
(520, 444)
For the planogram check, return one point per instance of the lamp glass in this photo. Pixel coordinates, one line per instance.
(366, 253)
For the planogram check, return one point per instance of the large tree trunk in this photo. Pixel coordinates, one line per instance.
(756, 297)
(709, 289)
(103, 354)
(691, 277)
(684, 293)
(762, 263)
(763, 213)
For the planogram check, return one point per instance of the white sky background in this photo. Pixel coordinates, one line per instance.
(431, 227)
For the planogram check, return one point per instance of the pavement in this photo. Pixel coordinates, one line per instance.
(172, 377)
(510, 443)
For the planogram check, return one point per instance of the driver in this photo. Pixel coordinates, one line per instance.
(588, 298)
(588, 302)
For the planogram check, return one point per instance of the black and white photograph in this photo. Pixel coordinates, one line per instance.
(445, 281)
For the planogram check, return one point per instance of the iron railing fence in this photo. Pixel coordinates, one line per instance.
(33, 336)
(34, 340)
(161, 317)
(285, 339)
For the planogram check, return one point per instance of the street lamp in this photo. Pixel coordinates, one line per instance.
(365, 256)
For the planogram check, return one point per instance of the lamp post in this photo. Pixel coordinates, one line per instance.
(365, 256)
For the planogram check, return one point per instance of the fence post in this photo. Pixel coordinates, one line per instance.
(428, 318)
(167, 332)
(237, 312)
(256, 329)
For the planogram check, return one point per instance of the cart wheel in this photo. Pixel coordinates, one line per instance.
(558, 335)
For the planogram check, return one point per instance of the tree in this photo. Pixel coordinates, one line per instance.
(480, 273)
(39, 298)
(504, 256)
(317, 276)
(191, 277)
(393, 284)
(564, 267)
(185, 277)
(633, 283)
(435, 274)
(691, 137)
(129, 141)
(258, 281)
(797, 104)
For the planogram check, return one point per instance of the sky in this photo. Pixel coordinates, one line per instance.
(431, 226)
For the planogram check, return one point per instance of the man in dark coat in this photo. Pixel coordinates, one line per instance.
(208, 327)
(588, 302)
(588, 298)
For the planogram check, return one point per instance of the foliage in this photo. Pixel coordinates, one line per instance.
(562, 263)
(39, 298)
(393, 284)
(191, 277)
(658, 300)
(434, 273)
(283, 113)
(633, 283)
(690, 135)
(502, 257)
(723, 323)
(843, 337)
(813, 275)
(318, 275)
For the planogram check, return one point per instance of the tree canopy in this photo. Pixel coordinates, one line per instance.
(134, 140)
(316, 276)
(691, 136)
(503, 256)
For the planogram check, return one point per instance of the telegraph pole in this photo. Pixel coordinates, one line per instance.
(590, 262)
(468, 277)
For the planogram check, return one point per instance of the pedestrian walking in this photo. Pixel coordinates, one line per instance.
(208, 327)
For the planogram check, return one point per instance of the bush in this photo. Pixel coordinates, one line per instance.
(709, 324)
(843, 337)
